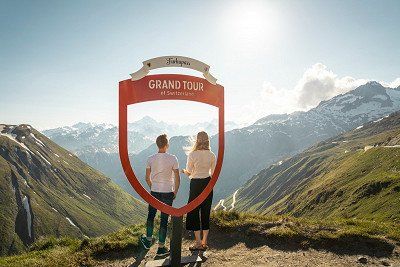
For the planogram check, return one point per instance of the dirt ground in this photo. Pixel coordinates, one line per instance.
(229, 250)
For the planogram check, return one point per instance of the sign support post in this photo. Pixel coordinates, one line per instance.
(176, 241)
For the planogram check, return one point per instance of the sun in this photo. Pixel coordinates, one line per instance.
(251, 22)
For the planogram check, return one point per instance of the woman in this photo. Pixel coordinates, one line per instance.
(199, 167)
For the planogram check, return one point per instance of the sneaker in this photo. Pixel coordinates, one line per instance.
(162, 251)
(145, 242)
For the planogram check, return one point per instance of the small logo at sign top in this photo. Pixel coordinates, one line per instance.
(176, 61)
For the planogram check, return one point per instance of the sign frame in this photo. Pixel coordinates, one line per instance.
(140, 89)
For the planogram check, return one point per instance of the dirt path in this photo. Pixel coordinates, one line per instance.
(228, 250)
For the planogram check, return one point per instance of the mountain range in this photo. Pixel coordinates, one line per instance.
(269, 140)
(90, 138)
(46, 190)
(273, 138)
(352, 175)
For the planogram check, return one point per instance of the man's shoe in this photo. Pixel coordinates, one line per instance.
(162, 251)
(145, 242)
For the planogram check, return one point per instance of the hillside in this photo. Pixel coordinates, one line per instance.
(45, 190)
(356, 174)
(276, 137)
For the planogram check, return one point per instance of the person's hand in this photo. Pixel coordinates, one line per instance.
(175, 194)
(183, 171)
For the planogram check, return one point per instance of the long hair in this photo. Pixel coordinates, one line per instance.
(202, 142)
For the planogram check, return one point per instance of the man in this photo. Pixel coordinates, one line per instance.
(162, 176)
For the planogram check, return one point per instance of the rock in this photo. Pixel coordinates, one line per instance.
(362, 260)
(385, 263)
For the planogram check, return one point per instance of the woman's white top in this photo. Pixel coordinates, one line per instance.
(200, 164)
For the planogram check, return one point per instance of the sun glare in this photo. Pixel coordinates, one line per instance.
(251, 22)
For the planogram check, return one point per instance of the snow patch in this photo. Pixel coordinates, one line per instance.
(25, 203)
(87, 196)
(56, 155)
(13, 138)
(71, 222)
(55, 210)
(40, 143)
(43, 158)
(359, 127)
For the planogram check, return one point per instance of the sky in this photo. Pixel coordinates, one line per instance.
(60, 61)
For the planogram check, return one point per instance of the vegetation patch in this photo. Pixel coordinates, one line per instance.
(343, 236)
(67, 251)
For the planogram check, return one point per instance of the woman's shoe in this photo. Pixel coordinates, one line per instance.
(204, 247)
(196, 247)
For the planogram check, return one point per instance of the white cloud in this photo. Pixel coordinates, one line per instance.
(394, 84)
(318, 83)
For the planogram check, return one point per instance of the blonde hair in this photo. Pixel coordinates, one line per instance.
(202, 142)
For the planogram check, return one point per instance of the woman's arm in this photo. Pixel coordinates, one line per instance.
(189, 165)
(213, 161)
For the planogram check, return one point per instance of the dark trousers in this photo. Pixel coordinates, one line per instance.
(199, 218)
(166, 198)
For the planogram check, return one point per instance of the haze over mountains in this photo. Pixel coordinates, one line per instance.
(45, 190)
(83, 138)
(269, 140)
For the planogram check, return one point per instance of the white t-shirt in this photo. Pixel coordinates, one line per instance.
(162, 175)
(200, 163)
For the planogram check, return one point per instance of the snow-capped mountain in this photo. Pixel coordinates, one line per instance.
(275, 137)
(152, 128)
(89, 138)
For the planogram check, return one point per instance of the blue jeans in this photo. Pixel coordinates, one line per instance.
(166, 198)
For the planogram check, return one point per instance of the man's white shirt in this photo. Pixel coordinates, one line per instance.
(162, 175)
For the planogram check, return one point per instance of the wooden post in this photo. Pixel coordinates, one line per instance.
(176, 241)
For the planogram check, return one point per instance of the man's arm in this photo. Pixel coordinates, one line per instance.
(177, 181)
(148, 181)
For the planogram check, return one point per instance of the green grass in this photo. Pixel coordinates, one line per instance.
(290, 227)
(67, 251)
(319, 234)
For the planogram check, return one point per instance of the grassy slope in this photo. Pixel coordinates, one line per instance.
(335, 178)
(61, 186)
(350, 236)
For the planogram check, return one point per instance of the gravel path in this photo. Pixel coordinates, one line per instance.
(223, 252)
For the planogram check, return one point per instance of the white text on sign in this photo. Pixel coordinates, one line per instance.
(175, 85)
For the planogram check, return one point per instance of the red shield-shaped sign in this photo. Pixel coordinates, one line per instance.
(168, 87)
